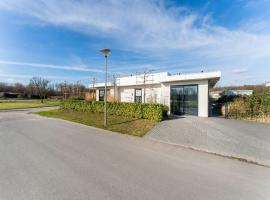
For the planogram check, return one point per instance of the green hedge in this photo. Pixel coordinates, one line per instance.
(150, 111)
(256, 105)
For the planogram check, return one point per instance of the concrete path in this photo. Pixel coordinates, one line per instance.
(48, 159)
(242, 139)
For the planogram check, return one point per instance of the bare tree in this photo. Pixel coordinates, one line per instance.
(19, 88)
(40, 85)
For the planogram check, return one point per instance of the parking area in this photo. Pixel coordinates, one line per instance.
(241, 139)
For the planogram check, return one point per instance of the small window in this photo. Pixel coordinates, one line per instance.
(138, 96)
(101, 95)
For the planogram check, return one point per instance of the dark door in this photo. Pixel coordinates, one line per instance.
(184, 99)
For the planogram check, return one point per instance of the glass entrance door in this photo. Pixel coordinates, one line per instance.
(184, 99)
(177, 94)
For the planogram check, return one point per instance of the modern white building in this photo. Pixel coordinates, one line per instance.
(182, 93)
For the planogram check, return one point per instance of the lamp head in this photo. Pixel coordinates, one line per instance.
(106, 52)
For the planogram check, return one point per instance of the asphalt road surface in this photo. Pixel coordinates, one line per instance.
(51, 159)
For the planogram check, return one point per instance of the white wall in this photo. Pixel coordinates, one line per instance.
(203, 99)
(152, 94)
(126, 94)
(97, 95)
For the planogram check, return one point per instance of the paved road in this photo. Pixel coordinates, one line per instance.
(56, 160)
(242, 139)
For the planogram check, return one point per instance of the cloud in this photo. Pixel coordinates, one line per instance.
(26, 77)
(151, 25)
(155, 27)
(50, 66)
(240, 71)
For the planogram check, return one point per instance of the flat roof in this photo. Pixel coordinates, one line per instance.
(163, 77)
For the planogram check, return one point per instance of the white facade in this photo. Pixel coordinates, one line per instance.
(157, 88)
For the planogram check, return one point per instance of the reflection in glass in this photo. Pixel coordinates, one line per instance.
(184, 99)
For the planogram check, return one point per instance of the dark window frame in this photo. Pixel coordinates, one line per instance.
(137, 99)
(101, 98)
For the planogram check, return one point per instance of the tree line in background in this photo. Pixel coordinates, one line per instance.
(40, 88)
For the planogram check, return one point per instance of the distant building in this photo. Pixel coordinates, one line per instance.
(215, 94)
(9, 95)
(237, 92)
(267, 84)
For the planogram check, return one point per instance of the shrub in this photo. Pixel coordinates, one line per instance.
(256, 105)
(150, 111)
(237, 109)
(154, 112)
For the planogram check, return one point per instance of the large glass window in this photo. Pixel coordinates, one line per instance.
(184, 99)
(191, 100)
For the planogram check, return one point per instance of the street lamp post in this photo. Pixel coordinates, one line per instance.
(106, 52)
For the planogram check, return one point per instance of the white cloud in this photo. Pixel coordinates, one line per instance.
(240, 71)
(154, 26)
(144, 24)
(26, 77)
(50, 66)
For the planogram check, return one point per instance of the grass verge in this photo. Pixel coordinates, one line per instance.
(17, 104)
(121, 124)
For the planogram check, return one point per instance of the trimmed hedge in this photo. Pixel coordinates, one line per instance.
(150, 111)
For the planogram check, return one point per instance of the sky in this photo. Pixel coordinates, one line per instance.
(60, 40)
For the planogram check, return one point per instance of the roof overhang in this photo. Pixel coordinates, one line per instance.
(215, 76)
(212, 77)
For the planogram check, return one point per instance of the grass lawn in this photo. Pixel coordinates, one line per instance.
(126, 125)
(15, 104)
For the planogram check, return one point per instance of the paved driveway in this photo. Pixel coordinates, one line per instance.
(243, 139)
(51, 159)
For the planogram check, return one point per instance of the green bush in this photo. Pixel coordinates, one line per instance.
(150, 111)
(256, 105)
(154, 112)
